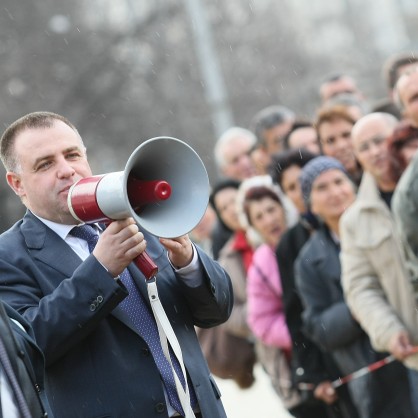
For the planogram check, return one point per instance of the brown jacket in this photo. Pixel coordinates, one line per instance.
(376, 282)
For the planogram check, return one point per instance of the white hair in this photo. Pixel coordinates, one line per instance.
(228, 136)
(388, 118)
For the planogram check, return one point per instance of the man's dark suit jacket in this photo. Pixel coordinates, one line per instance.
(26, 359)
(97, 364)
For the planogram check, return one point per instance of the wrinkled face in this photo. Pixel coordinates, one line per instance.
(291, 186)
(305, 138)
(336, 142)
(225, 202)
(370, 147)
(267, 218)
(408, 93)
(50, 160)
(332, 193)
(274, 136)
(238, 164)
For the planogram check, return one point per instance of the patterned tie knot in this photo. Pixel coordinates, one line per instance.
(87, 233)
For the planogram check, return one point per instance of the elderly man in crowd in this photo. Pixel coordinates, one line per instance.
(375, 280)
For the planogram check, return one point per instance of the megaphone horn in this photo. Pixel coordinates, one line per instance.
(164, 187)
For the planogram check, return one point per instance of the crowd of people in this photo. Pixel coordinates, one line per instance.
(315, 222)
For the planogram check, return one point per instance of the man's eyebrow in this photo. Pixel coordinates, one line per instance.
(413, 97)
(65, 151)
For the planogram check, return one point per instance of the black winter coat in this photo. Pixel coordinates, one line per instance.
(329, 323)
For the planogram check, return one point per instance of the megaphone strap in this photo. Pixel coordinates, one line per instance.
(167, 334)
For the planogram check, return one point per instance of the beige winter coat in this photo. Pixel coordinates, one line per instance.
(376, 282)
(231, 261)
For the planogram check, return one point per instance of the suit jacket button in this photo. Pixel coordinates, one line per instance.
(93, 307)
(99, 299)
(160, 407)
(145, 352)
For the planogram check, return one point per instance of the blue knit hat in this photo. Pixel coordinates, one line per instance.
(313, 169)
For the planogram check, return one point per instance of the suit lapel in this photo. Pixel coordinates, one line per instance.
(46, 246)
(49, 248)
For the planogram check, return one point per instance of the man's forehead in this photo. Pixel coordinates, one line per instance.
(238, 146)
(375, 131)
(58, 129)
(35, 142)
(409, 83)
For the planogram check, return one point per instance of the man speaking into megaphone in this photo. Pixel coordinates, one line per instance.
(89, 305)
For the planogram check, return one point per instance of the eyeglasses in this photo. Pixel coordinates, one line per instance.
(376, 141)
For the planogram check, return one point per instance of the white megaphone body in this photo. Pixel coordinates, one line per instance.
(164, 187)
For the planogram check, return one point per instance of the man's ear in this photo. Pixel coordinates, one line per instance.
(15, 183)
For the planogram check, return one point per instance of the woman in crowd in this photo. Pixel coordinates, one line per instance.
(328, 191)
(402, 146)
(264, 212)
(229, 348)
(307, 361)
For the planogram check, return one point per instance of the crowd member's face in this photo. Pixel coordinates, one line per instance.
(332, 192)
(408, 93)
(291, 186)
(336, 142)
(305, 138)
(402, 70)
(273, 137)
(50, 161)
(261, 161)
(344, 85)
(409, 149)
(225, 203)
(267, 218)
(238, 163)
(370, 147)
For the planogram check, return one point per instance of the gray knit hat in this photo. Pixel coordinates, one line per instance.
(313, 169)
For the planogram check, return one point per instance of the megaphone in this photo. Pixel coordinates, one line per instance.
(164, 187)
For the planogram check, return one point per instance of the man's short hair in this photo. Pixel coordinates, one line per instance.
(330, 80)
(283, 160)
(393, 63)
(30, 121)
(297, 124)
(268, 118)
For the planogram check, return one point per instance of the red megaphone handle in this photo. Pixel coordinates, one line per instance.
(144, 262)
(147, 266)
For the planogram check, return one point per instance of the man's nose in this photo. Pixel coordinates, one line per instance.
(65, 169)
(374, 149)
(342, 143)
